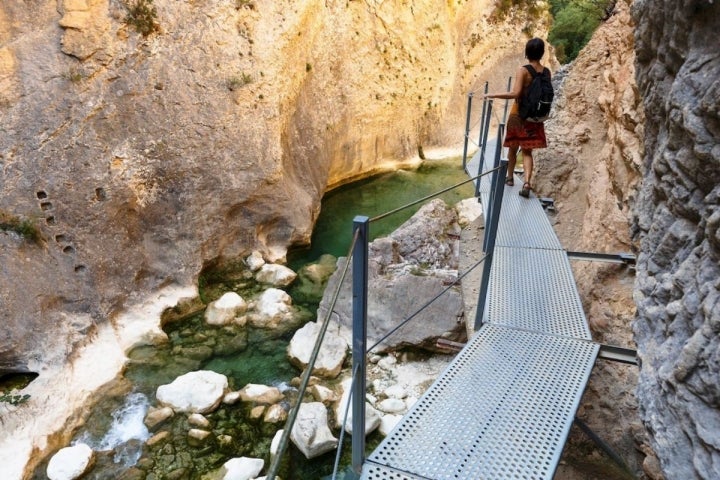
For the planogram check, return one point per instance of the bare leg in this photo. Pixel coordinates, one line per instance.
(527, 164)
(512, 160)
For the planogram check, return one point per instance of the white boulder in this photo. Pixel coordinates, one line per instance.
(70, 463)
(396, 391)
(255, 261)
(272, 308)
(277, 275)
(468, 210)
(392, 405)
(330, 357)
(311, 434)
(388, 422)
(372, 416)
(198, 420)
(195, 392)
(243, 468)
(224, 310)
(260, 394)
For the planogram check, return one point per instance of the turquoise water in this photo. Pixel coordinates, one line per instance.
(375, 196)
(246, 355)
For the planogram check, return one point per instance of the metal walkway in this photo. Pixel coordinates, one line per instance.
(504, 407)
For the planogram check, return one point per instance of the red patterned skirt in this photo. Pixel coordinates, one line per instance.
(527, 135)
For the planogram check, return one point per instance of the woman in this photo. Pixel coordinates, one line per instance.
(521, 134)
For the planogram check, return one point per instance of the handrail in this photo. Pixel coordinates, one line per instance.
(428, 197)
(275, 464)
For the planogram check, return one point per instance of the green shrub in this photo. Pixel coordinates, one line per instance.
(143, 15)
(22, 226)
(574, 23)
(13, 399)
(233, 83)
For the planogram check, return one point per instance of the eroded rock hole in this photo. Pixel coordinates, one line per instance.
(69, 250)
(41, 195)
(60, 238)
(100, 194)
(50, 220)
(46, 205)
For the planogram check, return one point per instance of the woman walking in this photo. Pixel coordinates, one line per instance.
(524, 135)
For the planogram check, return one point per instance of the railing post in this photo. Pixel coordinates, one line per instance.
(487, 113)
(482, 115)
(467, 130)
(498, 188)
(359, 345)
(494, 178)
(507, 101)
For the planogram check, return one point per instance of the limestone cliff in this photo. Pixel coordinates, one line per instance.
(677, 221)
(591, 169)
(143, 159)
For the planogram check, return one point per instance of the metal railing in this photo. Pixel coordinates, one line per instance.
(358, 254)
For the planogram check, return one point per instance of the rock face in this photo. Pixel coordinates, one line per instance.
(142, 158)
(677, 220)
(419, 260)
(592, 169)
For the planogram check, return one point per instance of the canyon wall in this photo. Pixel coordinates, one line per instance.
(591, 169)
(141, 159)
(677, 222)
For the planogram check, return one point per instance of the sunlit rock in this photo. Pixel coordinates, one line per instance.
(224, 310)
(276, 275)
(157, 416)
(273, 308)
(200, 391)
(372, 416)
(392, 405)
(388, 422)
(70, 463)
(260, 394)
(468, 210)
(231, 398)
(255, 261)
(197, 437)
(323, 394)
(198, 420)
(330, 356)
(311, 434)
(242, 468)
(275, 414)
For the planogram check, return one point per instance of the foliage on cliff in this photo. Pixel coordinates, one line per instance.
(574, 22)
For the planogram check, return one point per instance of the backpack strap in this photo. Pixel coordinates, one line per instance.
(534, 72)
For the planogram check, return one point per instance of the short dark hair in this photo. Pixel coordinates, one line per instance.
(534, 49)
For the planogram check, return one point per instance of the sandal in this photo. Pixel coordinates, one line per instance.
(525, 192)
(509, 182)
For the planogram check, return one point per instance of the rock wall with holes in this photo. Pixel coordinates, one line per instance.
(677, 221)
(142, 158)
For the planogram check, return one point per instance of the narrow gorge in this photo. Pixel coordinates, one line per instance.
(143, 159)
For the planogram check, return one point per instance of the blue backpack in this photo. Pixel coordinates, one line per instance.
(535, 104)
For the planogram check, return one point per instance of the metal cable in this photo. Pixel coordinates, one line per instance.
(344, 421)
(428, 197)
(427, 304)
(275, 465)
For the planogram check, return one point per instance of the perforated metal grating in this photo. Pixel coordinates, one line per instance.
(501, 410)
(534, 289)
